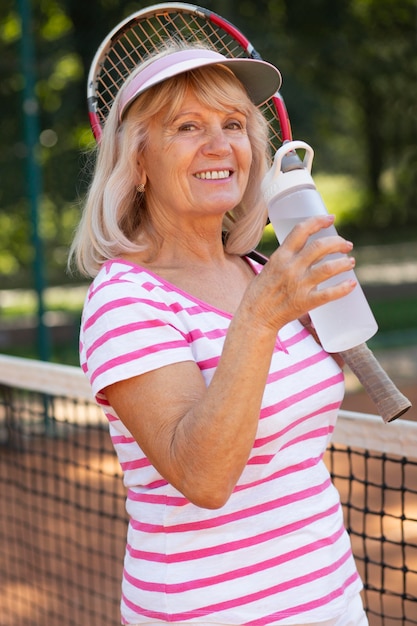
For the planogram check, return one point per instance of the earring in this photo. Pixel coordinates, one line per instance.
(140, 188)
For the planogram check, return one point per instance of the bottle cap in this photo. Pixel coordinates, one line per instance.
(288, 170)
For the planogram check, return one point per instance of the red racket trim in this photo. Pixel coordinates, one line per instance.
(95, 124)
(283, 117)
(233, 31)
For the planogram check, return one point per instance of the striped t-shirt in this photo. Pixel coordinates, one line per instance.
(277, 551)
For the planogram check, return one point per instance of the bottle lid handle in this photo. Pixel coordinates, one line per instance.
(292, 146)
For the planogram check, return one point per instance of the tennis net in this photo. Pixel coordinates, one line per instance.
(63, 523)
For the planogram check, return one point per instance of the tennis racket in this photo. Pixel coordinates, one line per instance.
(143, 32)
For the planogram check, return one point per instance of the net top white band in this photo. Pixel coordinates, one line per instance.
(260, 78)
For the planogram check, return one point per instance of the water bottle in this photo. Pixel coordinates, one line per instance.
(292, 197)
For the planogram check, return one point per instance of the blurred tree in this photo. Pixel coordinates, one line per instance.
(349, 80)
(360, 65)
(349, 70)
(57, 69)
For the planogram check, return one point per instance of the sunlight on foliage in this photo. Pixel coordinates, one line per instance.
(57, 25)
(84, 138)
(48, 219)
(10, 28)
(8, 264)
(341, 194)
(68, 68)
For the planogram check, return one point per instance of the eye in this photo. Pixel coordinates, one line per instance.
(187, 127)
(235, 124)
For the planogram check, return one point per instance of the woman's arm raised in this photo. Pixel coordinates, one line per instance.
(199, 438)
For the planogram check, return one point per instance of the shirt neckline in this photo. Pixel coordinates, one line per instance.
(206, 305)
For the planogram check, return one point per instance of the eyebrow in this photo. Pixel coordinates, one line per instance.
(192, 113)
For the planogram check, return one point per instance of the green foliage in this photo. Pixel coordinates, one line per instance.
(349, 70)
(399, 314)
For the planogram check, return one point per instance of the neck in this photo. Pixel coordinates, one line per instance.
(192, 242)
(192, 250)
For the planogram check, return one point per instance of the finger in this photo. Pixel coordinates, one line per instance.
(327, 270)
(322, 295)
(315, 237)
(304, 230)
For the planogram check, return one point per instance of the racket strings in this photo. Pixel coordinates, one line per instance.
(145, 35)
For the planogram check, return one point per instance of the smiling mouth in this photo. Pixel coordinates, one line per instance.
(213, 175)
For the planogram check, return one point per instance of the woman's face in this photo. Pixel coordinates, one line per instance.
(197, 164)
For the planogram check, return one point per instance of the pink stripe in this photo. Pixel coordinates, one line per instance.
(297, 367)
(175, 307)
(237, 515)
(122, 330)
(313, 434)
(300, 336)
(196, 334)
(257, 596)
(133, 356)
(135, 464)
(122, 439)
(302, 395)
(232, 546)
(149, 498)
(208, 364)
(173, 500)
(199, 307)
(155, 484)
(242, 572)
(292, 469)
(190, 337)
(265, 440)
(323, 432)
(262, 459)
(306, 606)
(114, 304)
(103, 402)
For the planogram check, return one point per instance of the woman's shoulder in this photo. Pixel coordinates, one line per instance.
(118, 272)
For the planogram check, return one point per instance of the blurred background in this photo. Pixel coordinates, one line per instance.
(349, 81)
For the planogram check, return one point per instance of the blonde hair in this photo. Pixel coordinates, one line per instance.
(115, 219)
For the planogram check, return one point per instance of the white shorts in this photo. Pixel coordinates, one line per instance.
(355, 616)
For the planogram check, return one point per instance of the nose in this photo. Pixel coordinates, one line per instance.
(217, 142)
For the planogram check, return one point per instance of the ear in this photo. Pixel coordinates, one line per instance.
(141, 176)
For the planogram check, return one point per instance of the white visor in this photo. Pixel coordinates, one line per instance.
(260, 79)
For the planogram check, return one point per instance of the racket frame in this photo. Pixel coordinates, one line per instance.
(275, 104)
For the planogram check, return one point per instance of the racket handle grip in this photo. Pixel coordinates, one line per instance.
(391, 403)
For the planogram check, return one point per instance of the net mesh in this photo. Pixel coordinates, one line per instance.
(63, 523)
(378, 492)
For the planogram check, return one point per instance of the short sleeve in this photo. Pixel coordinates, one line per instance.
(126, 330)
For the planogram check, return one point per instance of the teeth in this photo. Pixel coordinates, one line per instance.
(213, 175)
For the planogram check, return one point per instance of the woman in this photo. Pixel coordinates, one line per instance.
(220, 403)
